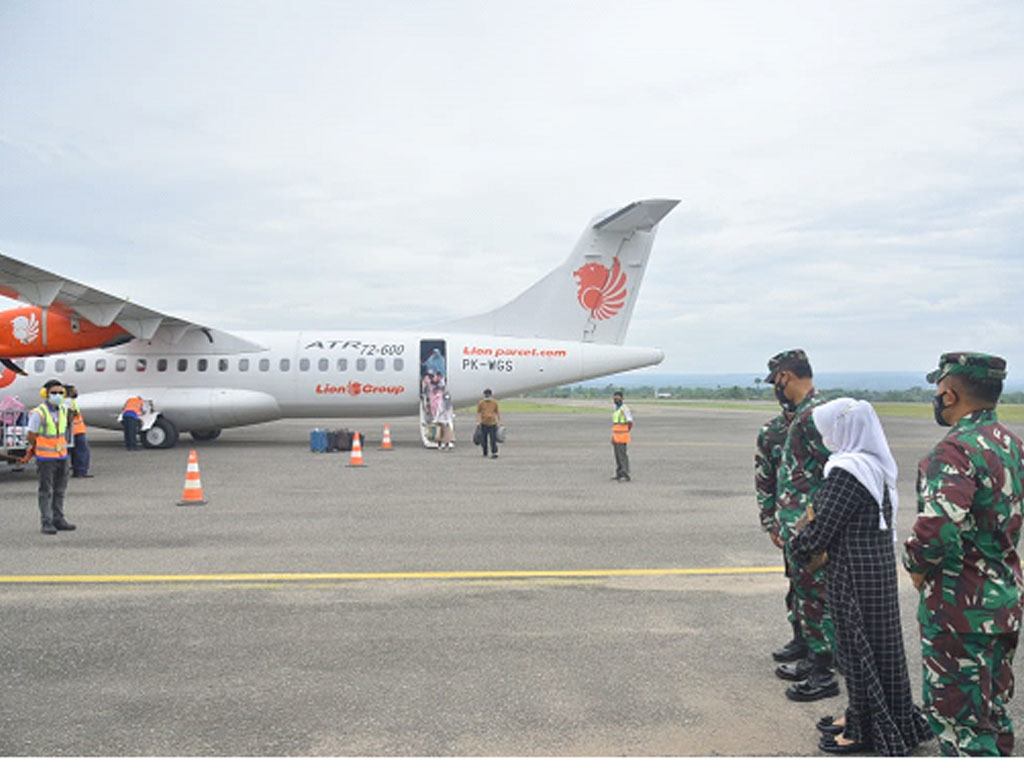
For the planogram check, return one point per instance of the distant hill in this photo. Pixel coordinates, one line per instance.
(880, 381)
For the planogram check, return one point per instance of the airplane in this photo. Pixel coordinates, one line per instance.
(567, 327)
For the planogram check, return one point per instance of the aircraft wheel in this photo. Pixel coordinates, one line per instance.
(201, 436)
(163, 434)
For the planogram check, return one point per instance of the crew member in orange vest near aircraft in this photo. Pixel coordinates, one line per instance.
(48, 441)
(131, 418)
(622, 423)
(79, 448)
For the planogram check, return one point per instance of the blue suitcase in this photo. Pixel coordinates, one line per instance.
(318, 441)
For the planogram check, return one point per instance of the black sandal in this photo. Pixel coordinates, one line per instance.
(827, 725)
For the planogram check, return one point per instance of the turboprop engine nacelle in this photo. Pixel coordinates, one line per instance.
(36, 331)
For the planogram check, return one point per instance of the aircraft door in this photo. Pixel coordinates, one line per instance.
(436, 410)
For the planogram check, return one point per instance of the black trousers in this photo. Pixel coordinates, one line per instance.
(131, 433)
(490, 432)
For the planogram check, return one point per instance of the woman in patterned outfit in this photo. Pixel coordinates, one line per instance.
(854, 521)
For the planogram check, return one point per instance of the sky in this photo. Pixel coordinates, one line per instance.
(851, 173)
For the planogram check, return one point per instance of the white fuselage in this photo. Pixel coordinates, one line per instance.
(317, 374)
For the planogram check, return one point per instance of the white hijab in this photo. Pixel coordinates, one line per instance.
(851, 430)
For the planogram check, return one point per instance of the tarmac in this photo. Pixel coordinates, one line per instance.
(427, 604)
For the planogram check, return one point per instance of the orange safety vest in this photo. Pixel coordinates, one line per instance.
(77, 422)
(52, 437)
(620, 427)
(133, 404)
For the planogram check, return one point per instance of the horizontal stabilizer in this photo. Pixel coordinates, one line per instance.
(643, 215)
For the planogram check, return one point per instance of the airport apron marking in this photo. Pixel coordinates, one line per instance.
(143, 578)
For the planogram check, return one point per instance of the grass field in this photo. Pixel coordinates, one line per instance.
(1013, 412)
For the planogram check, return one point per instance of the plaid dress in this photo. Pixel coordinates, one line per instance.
(863, 596)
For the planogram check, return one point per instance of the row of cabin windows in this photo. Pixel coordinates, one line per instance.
(223, 364)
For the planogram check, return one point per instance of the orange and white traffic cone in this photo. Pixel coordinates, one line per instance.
(385, 443)
(193, 495)
(356, 460)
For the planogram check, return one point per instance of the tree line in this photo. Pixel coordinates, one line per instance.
(765, 393)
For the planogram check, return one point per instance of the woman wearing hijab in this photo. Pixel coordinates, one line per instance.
(854, 522)
(446, 418)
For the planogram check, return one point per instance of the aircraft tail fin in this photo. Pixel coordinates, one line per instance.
(590, 296)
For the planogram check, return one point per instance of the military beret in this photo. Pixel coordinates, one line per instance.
(975, 365)
(783, 361)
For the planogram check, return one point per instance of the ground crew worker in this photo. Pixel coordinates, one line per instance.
(131, 418)
(622, 425)
(962, 557)
(767, 453)
(79, 448)
(48, 429)
(801, 474)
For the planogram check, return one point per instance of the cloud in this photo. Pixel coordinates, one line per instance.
(850, 172)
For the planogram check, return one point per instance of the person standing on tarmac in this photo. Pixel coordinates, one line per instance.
(801, 474)
(79, 448)
(48, 428)
(767, 453)
(131, 418)
(962, 557)
(488, 416)
(622, 425)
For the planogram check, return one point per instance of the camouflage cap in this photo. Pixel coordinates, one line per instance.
(783, 361)
(976, 365)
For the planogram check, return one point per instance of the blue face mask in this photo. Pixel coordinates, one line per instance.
(56, 399)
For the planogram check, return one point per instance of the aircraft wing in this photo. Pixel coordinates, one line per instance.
(32, 285)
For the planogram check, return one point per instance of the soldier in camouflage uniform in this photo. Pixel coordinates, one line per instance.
(801, 474)
(963, 559)
(767, 453)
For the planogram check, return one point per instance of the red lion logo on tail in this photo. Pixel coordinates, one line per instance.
(603, 292)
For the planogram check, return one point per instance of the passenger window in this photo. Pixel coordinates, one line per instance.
(264, 364)
(201, 364)
(161, 364)
(140, 364)
(39, 365)
(361, 364)
(121, 365)
(222, 364)
(285, 364)
(243, 364)
(182, 364)
(60, 365)
(79, 365)
(323, 364)
(101, 365)
(379, 364)
(342, 364)
(399, 363)
(304, 364)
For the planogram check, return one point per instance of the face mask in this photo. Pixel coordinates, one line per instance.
(56, 399)
(780, 395)
(938, 406)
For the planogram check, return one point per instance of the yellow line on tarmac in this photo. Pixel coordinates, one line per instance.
(143, 578)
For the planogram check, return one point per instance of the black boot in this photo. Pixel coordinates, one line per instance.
(793, 650)
(798, 670)
(820, 684)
